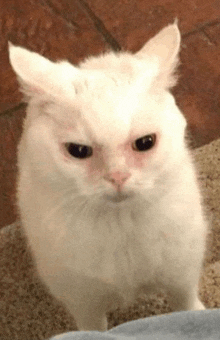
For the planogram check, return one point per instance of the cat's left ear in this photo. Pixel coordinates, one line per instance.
(164, 47)
(36, 74)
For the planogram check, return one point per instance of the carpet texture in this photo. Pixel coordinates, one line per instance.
(29, 312)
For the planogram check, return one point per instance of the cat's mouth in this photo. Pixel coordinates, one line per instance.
(117, 198)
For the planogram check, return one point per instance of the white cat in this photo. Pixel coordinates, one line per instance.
(107, 190)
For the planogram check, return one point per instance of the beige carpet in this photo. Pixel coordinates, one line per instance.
(28, 312)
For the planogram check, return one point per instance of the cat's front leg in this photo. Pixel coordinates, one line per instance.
(88, 316)
(185, 298)
(88, 320)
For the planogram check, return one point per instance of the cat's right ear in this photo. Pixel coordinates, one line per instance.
(165, 48)
(33, 71)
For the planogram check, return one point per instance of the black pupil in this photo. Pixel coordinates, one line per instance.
(145, 143)
(79, 151)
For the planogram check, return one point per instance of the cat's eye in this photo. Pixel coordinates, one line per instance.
(144, 143)
(78, 150)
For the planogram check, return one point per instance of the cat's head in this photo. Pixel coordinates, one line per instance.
(108, 128)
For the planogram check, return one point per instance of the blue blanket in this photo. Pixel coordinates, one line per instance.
(201, 325)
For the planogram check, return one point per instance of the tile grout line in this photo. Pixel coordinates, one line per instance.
(207, 38)
(99, 25)
(12, 110)
(102, 29)
(96, 21)
(70, 23)
(201, 28)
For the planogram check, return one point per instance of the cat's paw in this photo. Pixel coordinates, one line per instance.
(198, 305)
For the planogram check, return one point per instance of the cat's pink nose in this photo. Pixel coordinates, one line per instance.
(117, 178)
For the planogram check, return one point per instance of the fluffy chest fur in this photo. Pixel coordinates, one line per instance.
(124, 247)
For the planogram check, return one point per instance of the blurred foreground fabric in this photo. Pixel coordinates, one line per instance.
(182, 325)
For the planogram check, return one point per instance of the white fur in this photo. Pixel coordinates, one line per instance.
(91, 252)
